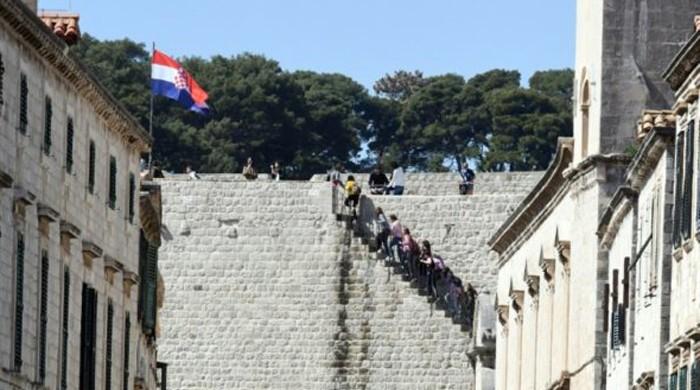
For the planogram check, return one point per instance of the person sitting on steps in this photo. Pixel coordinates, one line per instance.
(249, 171)
(466, 187)
(398, 180)
(377, 182)
(352, 194)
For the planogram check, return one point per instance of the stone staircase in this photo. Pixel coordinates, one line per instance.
(390, 336)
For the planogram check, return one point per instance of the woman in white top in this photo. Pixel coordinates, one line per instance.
(398, 180)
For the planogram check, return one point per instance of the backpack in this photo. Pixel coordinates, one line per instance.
(413, 247)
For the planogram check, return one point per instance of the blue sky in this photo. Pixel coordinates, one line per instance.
(362, 38)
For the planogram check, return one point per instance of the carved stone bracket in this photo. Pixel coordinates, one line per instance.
(563, 248)
(46, 216)
(517, 297)
(645, 381)
(112, 266)
(90, 252)
(503, 311)
(68, 232)
(547, 266)
(130, 280)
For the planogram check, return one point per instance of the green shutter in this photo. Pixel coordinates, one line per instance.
(19, 301)
(65, 325)
(112, 182)
(678, 192)
(132, 195)
(48, 117)
(92, 155)
(43, 314)
(88, 338)
(694, 380)
(150, 287)
(683, 378)
(673, 381)
(127, 341)
(108, 353)
(69, 145)
(688, 179)
(2, 79)
(23, 94)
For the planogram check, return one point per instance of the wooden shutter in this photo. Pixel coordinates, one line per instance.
(127, 341)
(688, 179)
(19, 301)
(43, 313)
(23, 94)
(622, 327)
(683, 378)
(48, 117)
(108, 352)
(149, 284)
(69, 145)
(112, 182)
(92, 155)
(626, 283)
(65, 325)
(678, 192)
(694, 379)
(673, 381)
(88, 338)
(132, 195)
(2, 79)
(606, 302)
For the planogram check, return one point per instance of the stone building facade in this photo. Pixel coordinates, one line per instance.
(569, 259)
(78, 231)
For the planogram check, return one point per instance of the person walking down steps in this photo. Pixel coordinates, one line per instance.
(382, 231)
(352, 195)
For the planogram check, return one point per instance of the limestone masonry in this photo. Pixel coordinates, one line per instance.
(266, 289)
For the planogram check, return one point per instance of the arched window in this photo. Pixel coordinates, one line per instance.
(585, 104)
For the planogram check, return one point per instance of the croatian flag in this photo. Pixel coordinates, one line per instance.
(169, 79)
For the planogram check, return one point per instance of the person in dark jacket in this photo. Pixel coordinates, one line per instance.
(377, 182)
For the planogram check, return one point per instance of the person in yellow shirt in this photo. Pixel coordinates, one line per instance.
(352, 192)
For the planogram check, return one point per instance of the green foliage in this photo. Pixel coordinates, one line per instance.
(308, 121)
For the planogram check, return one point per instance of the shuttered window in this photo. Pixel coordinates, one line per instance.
(127, 341)
(678, 192)
(2, 81)
(625, 282)
(88, 336)
(69, 145)
(23, 95)
(108, 346)
(19, 301)
(688, 180)
(112, 183)
(683, 378)
(64, 328)
(92, 155)
(43, 314)
(673, 381)
(148, 268)
(132, 196)
(48, 118)
(606, 303)
(694, 379)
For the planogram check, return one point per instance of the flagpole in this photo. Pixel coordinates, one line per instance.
(150, 115)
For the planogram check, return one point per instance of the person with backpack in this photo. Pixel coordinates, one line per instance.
(382, 231)
(352, 194)
(411, 252)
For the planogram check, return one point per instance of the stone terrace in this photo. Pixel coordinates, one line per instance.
(265, 289)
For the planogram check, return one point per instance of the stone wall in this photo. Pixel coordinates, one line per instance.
(265, 289)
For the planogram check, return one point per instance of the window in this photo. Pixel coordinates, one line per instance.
(64, 328)
(19, 301)
(683, 378)
(23, 94)
(688, 180)
(2, 79)
(69, 145)
(48, 117)
(148, 272)
(673, 381)
(43, 313)
(695, 376)
(108, 354)
(127, 340)
(91, 167)
(585, 105)
(678, 192)
(132, 195)
(606, 304)
(112, 202)
(88, 336)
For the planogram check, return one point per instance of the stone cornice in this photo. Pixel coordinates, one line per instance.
(683, 63)
(645, 160)
(592, 161)
(620, 204)
(37, 37)
(544, 193)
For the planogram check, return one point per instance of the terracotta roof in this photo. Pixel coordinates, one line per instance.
(63, 24)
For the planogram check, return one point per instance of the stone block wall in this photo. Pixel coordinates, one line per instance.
(265, 289)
